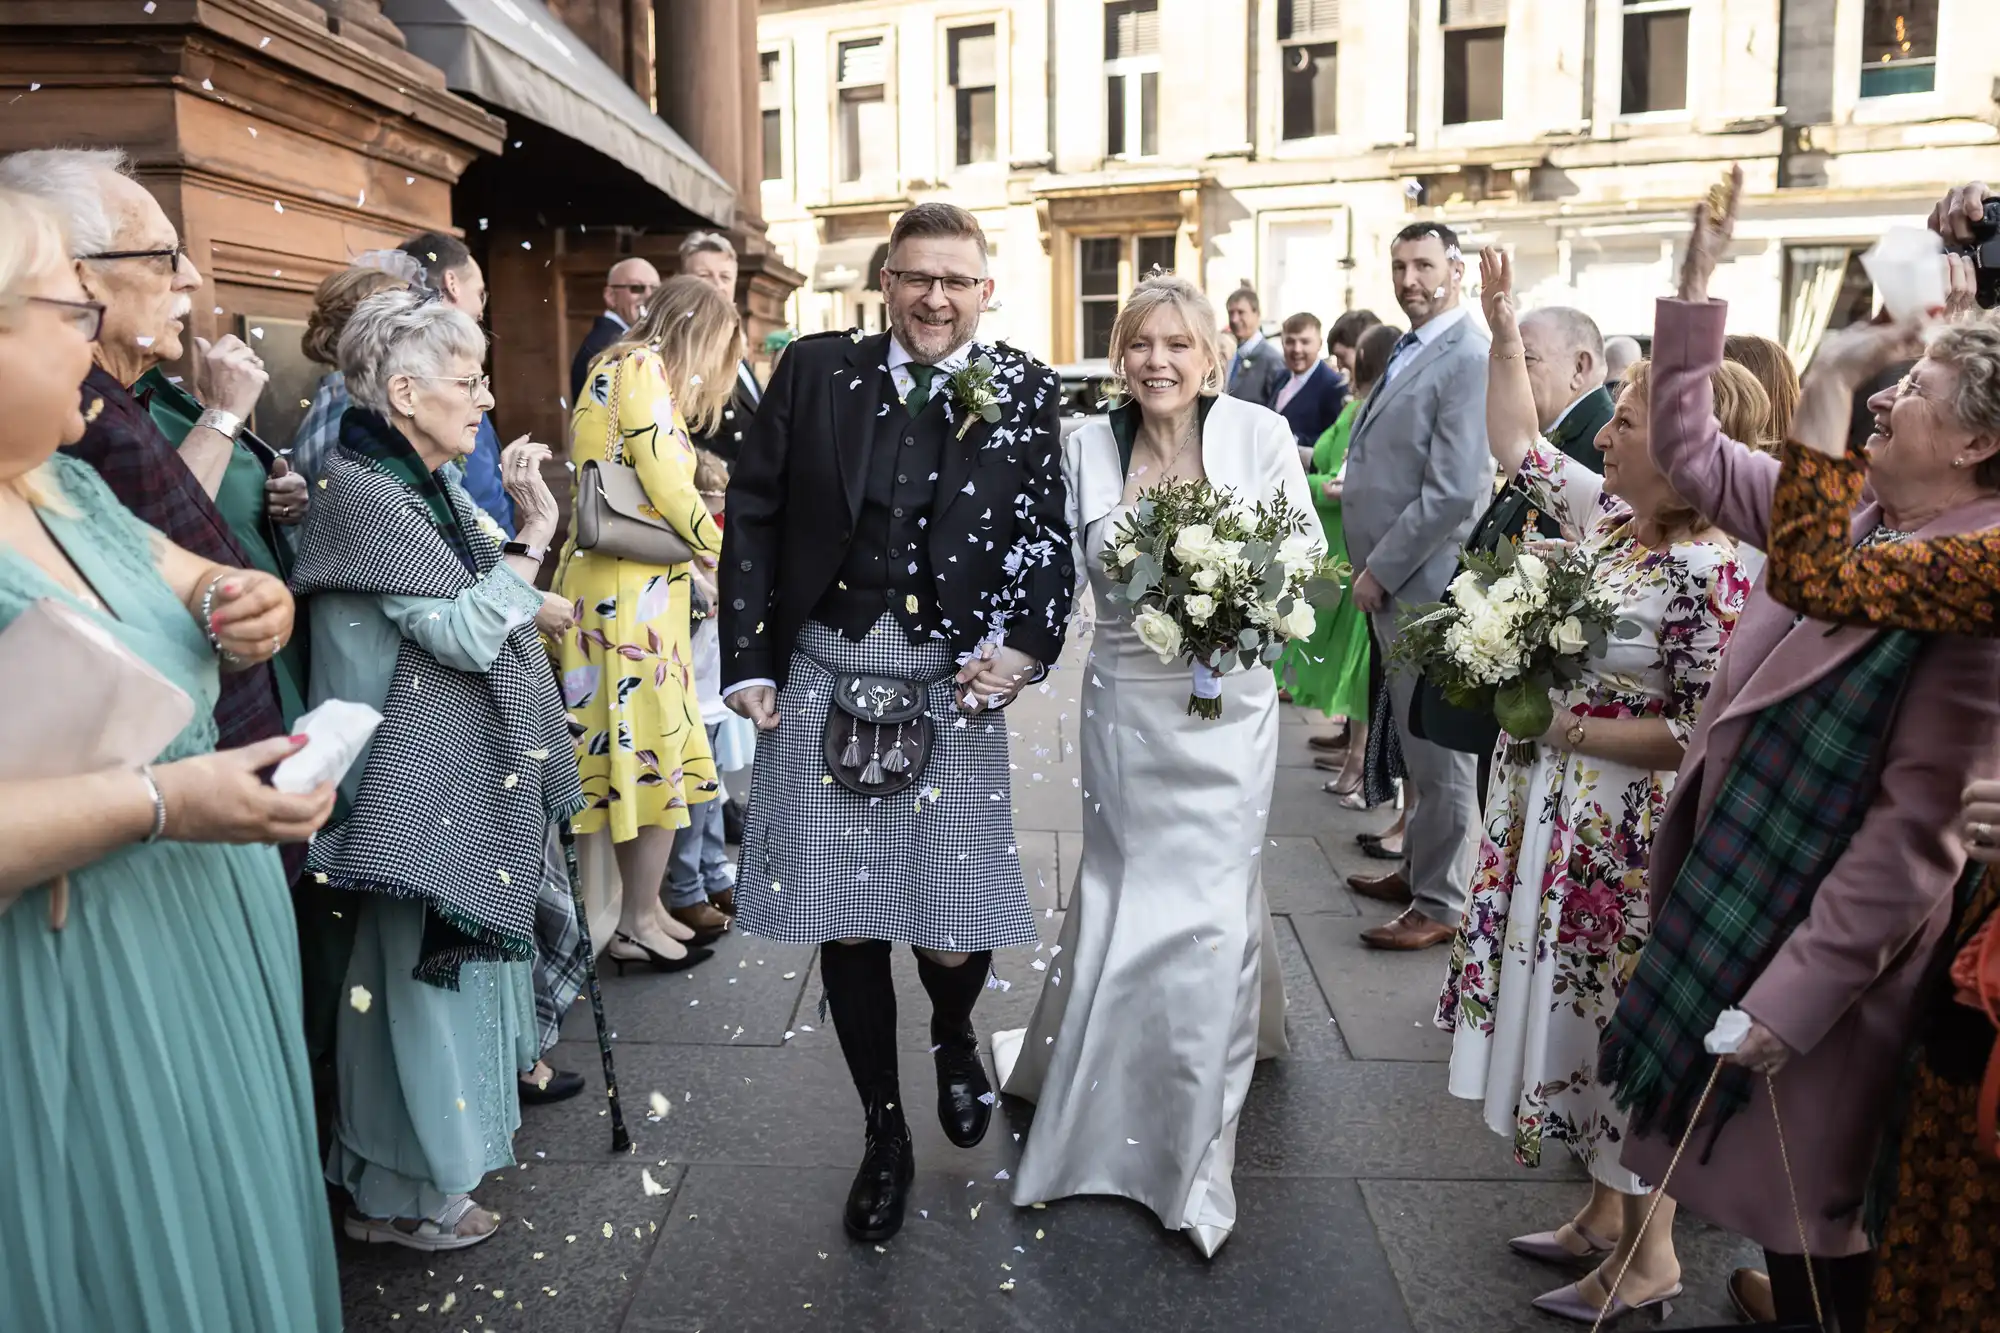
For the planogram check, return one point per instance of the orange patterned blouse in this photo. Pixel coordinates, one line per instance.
(1940, 585)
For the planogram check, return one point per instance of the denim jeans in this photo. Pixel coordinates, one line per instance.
(700, 866)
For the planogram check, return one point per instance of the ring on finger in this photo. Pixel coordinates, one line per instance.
(1979, 832)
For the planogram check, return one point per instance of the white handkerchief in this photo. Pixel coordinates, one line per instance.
(1726, 1037)
(1907, 267)
(339, 731)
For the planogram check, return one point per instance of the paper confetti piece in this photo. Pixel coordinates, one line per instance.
(360, 999)
(650, 1185)
(658, 1102)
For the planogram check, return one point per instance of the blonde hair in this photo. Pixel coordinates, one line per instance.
(1772, 366)
(1741, 406)
(33, 245)
(699, 337)
(1160, 292)
(333, 305)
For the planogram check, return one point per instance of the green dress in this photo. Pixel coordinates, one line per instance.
(156, 1112)
(429, 1092)
(1329, 671)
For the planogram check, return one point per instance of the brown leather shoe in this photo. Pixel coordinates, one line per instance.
(1389, 888)
(724, 902)
(1750, 1293)
(1336, 742)
(1408, 933)
(702, 919)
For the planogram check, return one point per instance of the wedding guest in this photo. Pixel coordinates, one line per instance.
(1312, 395)
(1619, 354)
(627, 287)
(1256, 366)
(130, 259)
(700, 876)
(1418, 472)
(333, 305)
(450, 270)
(1343, 341)
(1772, 365)
(421, 612)
(1943, 1219)
(708, 255)
(144, 929)
(1564, 355)
(1558, 914)
(1804, 871)
(1168, 930)
(643, 750)
(1331, 670)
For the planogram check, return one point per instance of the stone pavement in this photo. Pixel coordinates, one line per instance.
(1368, 1198)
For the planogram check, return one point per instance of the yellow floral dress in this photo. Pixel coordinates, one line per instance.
(628, 671)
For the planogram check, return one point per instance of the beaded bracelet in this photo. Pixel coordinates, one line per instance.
(208, 611)
(159, 804)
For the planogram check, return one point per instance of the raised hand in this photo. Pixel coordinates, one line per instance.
(228, 375)
(521, 476)
(1496, 295)
(1959, 212)
(1714, 223)
(1961, 296)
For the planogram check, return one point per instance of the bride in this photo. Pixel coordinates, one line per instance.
(1164, 990)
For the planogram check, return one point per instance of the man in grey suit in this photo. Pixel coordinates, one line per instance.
(1418, 474)
(1257, 371)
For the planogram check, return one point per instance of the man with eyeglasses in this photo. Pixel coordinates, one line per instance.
(897, 529)
(627, 287)
(182, 461)
(454, 275)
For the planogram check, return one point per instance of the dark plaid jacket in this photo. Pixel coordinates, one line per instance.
(149, 478)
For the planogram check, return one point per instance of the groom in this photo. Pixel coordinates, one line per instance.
(881, 521)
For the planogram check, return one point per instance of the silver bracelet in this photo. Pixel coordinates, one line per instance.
(208, 611)
(224, 423)
(159, 804)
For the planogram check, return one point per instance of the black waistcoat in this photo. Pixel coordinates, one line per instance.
(888, 564)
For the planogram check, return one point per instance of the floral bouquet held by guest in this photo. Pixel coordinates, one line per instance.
(1218, 583)
(1513, 626)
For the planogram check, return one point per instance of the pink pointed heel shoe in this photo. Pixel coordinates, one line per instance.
(1548, 1247)
(1569, 1303)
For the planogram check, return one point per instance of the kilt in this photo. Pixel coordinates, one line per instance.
(936, 866)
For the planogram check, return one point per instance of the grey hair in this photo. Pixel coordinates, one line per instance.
(1576, 331)
(402, 332)
(1973, 350)
(706, 242)
(67, 179)
(1620, 353)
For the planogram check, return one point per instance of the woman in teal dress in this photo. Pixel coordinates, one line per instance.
(1329, 671)
(442, 826)
(155, 1107)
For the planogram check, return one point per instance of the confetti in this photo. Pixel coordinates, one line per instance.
(658, 1102)
(360, 999)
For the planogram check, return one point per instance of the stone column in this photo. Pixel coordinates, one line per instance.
(750, 163)
(701, 79)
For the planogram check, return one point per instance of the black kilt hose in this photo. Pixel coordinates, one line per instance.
(936, 866)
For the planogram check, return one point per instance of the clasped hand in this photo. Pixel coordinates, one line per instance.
(992, 675)
(250, 614)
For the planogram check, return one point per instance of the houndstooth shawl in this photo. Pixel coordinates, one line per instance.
(467, 770)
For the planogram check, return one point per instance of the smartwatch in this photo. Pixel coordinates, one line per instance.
(534, 553)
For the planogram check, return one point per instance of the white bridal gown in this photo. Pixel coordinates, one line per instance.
(1165, 989)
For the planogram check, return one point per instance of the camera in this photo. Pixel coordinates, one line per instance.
(1985, 254)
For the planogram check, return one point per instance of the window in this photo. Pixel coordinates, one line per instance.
(1107, 268)
(1475, 66)
(1131, 78)
(771, 98)
(1898, 47)
(1656, 57)
(975, 76)
(867, 130)
(1306, 33)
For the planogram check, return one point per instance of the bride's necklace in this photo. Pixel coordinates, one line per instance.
(1189, 436)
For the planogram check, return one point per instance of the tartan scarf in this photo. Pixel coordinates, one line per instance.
(1790, 803)
(368, 434)
(468, 768)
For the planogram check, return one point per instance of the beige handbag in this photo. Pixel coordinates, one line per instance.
(614, 517)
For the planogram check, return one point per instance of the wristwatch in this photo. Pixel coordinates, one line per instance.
(1574, 736)
(534, 553)
(226, 424)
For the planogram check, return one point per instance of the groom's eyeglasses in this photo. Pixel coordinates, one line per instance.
(913, 283)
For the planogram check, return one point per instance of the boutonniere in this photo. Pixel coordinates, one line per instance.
(972, 393)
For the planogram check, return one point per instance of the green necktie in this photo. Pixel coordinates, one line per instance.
(921, 394)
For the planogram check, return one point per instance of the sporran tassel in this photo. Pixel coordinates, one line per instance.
(851, 756)
(871, 776)
(896, 761)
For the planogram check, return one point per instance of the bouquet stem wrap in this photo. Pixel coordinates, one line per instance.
(1204, 691)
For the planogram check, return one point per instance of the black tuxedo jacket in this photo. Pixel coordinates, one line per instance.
(726, 440)
(602, 334)
(999, 532)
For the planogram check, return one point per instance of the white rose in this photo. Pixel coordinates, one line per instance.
(1531, 567)
(1567, 638)
(1296, 552)
(1205, 580)
(1466, 593)
(1158, 632)
(1263, 613)
(1199, 606)
(1506, 590)
(1125, 554)
(1195, 545)
(1299, 622)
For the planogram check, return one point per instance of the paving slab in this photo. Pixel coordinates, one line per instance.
(1298, 878)
(1383, 1001)
(745, 986)
(1098, 1264)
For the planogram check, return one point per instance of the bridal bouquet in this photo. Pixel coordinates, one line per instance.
(1217, 583)
(1513, 626)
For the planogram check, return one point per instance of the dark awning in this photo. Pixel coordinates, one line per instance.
(515, 55)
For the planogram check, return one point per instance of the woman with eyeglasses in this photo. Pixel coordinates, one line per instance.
(421, 609)
(627, 673)
(155, 1108)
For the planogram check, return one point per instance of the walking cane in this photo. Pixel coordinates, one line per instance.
(621, 1140)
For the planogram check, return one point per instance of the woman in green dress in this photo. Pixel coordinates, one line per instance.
(1329, 671)
(155, 1107)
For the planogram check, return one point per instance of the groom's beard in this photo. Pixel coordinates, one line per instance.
(928, 342)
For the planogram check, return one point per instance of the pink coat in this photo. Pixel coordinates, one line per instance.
(1840, 990)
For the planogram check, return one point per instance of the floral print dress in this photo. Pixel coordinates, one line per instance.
(628, 667)
(1558, 911)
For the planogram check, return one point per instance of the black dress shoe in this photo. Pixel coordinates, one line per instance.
(881, 1188)
(965, 1098)
(563, 1084)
